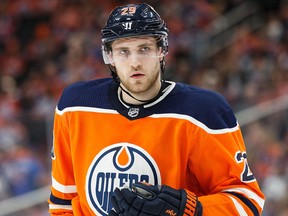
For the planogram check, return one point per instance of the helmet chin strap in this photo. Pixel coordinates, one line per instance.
(145, 101)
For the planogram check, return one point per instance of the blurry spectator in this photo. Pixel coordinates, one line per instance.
(23, 171)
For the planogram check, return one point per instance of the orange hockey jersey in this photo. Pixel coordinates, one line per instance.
(186, 138)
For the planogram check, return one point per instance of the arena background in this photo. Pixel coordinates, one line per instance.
(236, 47)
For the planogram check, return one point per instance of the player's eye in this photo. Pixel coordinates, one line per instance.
(145, 49)
(124, 52)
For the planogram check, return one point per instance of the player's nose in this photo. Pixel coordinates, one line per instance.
(135, 62)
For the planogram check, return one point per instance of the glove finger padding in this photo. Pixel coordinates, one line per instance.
(122, 199)
(113, 213)
(152, 200)
(159, 199)
(115, 200)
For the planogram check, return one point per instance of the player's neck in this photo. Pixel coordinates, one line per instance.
(140, 97)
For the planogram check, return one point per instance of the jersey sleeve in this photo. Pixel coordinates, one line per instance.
(63, 188)
(226, 185)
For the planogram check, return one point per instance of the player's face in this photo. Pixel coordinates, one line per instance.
(137, 62)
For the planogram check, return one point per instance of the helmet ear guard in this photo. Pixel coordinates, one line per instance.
(107, 54)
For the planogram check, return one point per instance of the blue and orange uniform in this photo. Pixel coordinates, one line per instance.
(101, 143)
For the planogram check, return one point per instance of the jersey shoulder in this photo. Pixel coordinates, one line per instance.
(92, 93)
(200, 97)
(207, 106)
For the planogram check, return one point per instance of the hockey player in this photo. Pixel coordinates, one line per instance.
(136, 144)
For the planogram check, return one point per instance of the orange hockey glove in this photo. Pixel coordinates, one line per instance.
(144, 200)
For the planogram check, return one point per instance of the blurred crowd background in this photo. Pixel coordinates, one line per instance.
(46, 45)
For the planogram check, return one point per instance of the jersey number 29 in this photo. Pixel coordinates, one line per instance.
(246, 175)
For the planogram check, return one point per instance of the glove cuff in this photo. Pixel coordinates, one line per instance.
(193, 205)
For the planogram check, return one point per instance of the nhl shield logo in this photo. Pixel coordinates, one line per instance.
(117, 165)
(133, 112)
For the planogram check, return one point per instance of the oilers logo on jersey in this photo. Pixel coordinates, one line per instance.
(191, 146)
(118, 165)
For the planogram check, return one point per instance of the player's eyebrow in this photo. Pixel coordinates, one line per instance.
(150, 41)
(121, 48)
(145, 44)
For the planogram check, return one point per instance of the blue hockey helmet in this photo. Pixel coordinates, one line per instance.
(134, 20)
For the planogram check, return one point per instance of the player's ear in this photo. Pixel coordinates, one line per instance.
(160, 53)
(110, 57)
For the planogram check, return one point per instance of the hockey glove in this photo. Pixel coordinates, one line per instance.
(144, 200)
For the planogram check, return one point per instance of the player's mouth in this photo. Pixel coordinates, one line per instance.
(137, 75)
